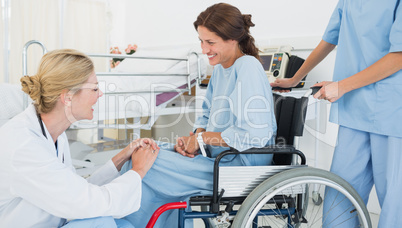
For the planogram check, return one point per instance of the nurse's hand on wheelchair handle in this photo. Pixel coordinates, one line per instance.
(283, 85)
(329, 91)
(315, 89)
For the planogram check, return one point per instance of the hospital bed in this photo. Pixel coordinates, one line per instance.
(142, 87)
(278, 195)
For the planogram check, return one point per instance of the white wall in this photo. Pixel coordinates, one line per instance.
(160, 23)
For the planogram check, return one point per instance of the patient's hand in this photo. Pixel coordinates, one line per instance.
(187, 145)
(143, 159)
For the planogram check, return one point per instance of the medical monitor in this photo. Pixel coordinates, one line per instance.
(275, 64)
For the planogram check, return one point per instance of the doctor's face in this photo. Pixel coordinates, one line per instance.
(218, 51)
(85, 98)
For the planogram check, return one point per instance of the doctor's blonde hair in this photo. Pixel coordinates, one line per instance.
(59, 71)
(229, 23)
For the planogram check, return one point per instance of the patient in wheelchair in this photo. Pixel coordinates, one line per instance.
(237, 113)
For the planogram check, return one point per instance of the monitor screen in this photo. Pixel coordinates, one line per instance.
(266, 61)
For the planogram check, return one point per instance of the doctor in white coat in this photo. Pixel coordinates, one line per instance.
(38, 184)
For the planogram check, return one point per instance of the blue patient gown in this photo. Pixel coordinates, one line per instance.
(239, 104)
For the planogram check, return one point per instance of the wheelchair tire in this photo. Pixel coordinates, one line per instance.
(289, 184)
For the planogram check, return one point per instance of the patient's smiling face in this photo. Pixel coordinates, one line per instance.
(219, 51)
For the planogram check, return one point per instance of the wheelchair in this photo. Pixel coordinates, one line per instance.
(285, 194)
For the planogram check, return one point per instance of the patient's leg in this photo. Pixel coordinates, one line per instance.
(173, 178)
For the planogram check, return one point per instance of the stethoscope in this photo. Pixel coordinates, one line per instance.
(44, 134)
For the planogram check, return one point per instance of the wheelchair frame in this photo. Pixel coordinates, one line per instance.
(285, 154)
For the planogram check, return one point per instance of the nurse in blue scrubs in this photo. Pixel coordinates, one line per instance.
(366, 93)
(237, 112)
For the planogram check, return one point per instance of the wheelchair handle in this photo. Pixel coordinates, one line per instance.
(315, 89)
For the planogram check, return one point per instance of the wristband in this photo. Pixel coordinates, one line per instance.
(201, 144)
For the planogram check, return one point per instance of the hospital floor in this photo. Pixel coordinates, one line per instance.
(198, 223)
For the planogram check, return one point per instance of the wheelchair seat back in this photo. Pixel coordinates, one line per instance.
(290, 114)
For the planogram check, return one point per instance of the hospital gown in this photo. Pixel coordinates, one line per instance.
(239, 104)
(370, 118)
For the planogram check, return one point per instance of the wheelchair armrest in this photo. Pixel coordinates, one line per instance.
(272, 149)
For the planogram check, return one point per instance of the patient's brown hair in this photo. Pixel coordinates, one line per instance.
(230, 24)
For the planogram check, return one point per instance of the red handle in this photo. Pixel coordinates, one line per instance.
(163, 208)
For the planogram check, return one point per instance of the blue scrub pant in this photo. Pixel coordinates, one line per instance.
(365, 159)
(99, 222)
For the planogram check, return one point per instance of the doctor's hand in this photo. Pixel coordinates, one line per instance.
(136, 144)
(330, 91)
(143, 142)
(187, 145)
(143, 158)
(125, 155)
(284, 83)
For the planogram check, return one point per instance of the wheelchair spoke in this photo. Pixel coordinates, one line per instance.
(275, 220)
(291, 204)
(318, 210)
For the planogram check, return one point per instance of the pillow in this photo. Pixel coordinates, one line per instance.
(11, 101)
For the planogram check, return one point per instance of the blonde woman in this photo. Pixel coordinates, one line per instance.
(38, 183)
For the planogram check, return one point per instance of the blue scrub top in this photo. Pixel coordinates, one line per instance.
(239, 103)
(365, 31)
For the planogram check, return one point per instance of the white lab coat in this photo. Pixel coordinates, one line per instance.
(37, 189)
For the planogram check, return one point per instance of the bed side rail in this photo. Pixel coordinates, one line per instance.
(122, 56)
(25, 63)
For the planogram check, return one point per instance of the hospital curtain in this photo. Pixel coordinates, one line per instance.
(78, 24)
(86, 25)
(31, 20)
(2, 34)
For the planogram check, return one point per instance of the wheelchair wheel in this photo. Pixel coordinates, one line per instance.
(282, 201)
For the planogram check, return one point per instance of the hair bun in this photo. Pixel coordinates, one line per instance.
(247, 20)
(31, 86)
